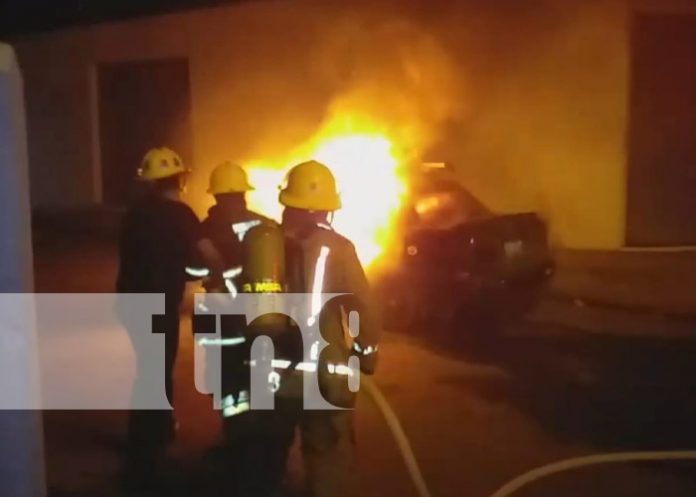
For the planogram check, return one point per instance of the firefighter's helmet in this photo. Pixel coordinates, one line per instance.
(311, 186)
(229, 178)
(161, 163)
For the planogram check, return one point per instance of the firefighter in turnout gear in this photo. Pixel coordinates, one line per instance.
(229, 219)
(326, 262)
(243, 460)
(159, 235)
(226, 225)
(228, 222)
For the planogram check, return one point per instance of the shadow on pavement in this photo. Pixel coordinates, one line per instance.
(609, 392)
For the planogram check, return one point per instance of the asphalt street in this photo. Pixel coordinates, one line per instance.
(479, 410)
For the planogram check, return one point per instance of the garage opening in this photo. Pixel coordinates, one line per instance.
(661, 208)
(142, 104)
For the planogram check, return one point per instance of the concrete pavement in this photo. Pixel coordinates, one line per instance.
(478, 412)
(472, 426)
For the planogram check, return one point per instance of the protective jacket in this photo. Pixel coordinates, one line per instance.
(324, 262)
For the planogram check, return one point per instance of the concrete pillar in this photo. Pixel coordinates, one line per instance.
(21, 434)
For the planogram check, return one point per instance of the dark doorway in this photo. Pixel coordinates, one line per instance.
(142, 104)
(662, 146)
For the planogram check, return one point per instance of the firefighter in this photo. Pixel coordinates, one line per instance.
(328, 263)
(159, 236)
(226, 225)
(236, 465)
(229, 219)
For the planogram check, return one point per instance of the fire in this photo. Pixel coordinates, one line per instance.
(369, 98)
(371, 189)
(366, 167)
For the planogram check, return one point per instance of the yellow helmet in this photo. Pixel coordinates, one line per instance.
(311, 186)
(229, 178)
(160, 163)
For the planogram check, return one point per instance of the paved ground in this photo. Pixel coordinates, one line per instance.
(478, 412)
(656, 279)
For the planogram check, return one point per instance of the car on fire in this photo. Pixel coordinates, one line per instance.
(458, 260)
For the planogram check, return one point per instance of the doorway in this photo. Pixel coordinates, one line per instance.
(142, 104)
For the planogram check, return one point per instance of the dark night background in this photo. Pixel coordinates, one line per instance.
(582, 111)
(18, 17)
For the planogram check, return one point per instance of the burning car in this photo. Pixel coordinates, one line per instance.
(431, 249)
(460, 260)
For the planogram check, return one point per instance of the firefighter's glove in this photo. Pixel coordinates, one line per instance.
(368, 357)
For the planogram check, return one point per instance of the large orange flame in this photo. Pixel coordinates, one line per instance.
(367, 170)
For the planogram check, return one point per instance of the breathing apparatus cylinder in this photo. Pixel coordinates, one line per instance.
(264, 274)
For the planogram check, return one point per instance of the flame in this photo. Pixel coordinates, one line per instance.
(367, 171)
(371, 189)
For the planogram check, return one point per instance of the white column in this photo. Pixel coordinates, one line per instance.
(21, 434)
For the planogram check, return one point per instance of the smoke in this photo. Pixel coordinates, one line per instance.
(545, 123)
(363, 90)
(390, 71)
(526, 99)
(352, 67)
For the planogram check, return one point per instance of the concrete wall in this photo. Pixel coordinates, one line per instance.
(528, 101)
(546, 126)
(60, 128)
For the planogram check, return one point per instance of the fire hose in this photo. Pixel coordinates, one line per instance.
(522, 481)
(398, 433)
(534, 475)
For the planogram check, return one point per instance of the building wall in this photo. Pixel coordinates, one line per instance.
(547, 129)
(60, 130)
(529, 104)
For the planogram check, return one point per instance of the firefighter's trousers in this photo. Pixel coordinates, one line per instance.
(150, 431)
(260, 441)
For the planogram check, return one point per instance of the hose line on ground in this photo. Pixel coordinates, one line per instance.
(397, 431)
(530, 477)
(517, 484)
